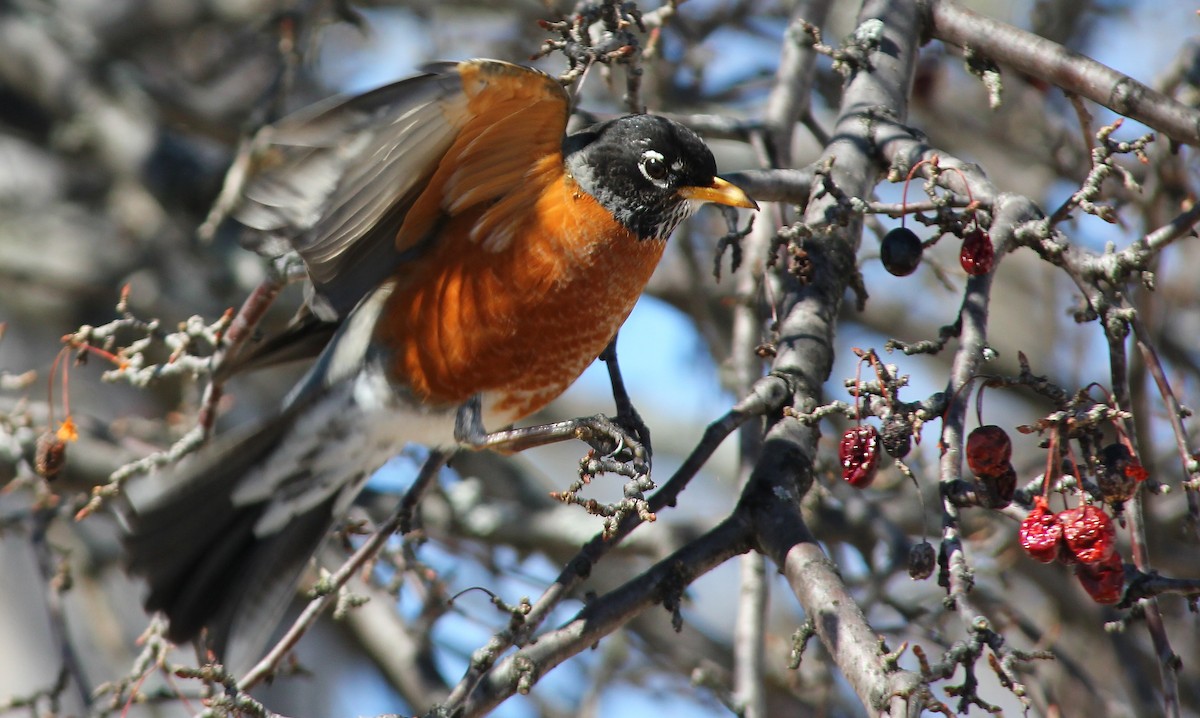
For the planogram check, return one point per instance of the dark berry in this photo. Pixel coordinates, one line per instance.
(1116, 481)
(1088, 533)
(1040, 532)
(900, 251)
(922, 559)
(859, 454)
(1103, 581)
(977, 255)
(896, 437)
(999, 488)
(988, 450)
(50, 453)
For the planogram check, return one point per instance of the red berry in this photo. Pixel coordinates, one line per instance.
(900, 251)
(1065, 557)
(1040, 532)
(1088, 533)
(1103, 581)
(859, 453)
(977, 255)
(988, 450)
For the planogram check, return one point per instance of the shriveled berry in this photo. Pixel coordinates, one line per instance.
(988, 450)
(1040, 532)
(859, 454)
(896, 437)
(900, 251)
(1065, 556)
(999, 488)
(1116, 482)
(922, 559)
(50, 453)
(1103, 581)
(977, 254)
(1088, 533)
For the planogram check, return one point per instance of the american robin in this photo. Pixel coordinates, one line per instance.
(469, 255)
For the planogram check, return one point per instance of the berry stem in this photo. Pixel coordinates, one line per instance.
(858, 392)
(967, 186)
(1075, 470)
(966, 385)
(908, 178)
(979, 403)
(50, 387)
(1051, 464)
(933, 162)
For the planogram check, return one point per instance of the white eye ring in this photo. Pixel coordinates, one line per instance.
(654, 167)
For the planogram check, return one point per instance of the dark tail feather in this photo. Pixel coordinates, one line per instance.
(198, 552)
(303, 339)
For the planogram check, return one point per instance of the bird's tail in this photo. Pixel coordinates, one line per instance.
(198, 548)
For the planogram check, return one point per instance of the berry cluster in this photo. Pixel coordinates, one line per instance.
(989, 455)
(900, 250)
(1084, 537)
(858, 451)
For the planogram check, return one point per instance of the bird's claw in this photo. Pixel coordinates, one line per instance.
(617, 449)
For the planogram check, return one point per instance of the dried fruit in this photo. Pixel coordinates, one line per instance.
(999, 488)
(900, 251)
(1103, 581)
(1040, 532)
(977, 254)
(1065, 557)
(859, 454)
(1088, 533)
(922, 559)
(988, 450)
(896, 437)
(50, 453)
(1116, 481)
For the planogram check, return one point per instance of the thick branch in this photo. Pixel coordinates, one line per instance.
(1075, 73)
(805, 347)
(662, 583)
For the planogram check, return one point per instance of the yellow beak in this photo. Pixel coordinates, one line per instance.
(720, 192)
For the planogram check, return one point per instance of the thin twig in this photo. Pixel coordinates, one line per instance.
(401, 519)
(1134, 516)
(1175, 414)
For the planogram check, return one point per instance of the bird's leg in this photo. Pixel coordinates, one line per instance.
(620, 452)
(468, 424)
(627, 416)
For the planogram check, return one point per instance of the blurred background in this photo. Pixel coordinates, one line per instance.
(118, 119)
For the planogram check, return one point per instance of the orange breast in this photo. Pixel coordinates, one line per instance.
(520, 322)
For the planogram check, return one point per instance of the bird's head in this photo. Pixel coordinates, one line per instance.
(649, 171)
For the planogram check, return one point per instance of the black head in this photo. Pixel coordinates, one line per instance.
(650, 172)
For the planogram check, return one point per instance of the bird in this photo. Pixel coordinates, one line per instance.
(462, 251)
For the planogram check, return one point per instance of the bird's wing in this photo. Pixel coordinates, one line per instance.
(516, 119)
(357, 185)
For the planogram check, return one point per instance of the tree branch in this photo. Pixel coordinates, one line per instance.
(1075, 73)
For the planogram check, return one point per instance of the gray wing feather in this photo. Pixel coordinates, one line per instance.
(335, 181)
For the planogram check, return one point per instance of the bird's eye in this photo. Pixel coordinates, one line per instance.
(653, 166)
